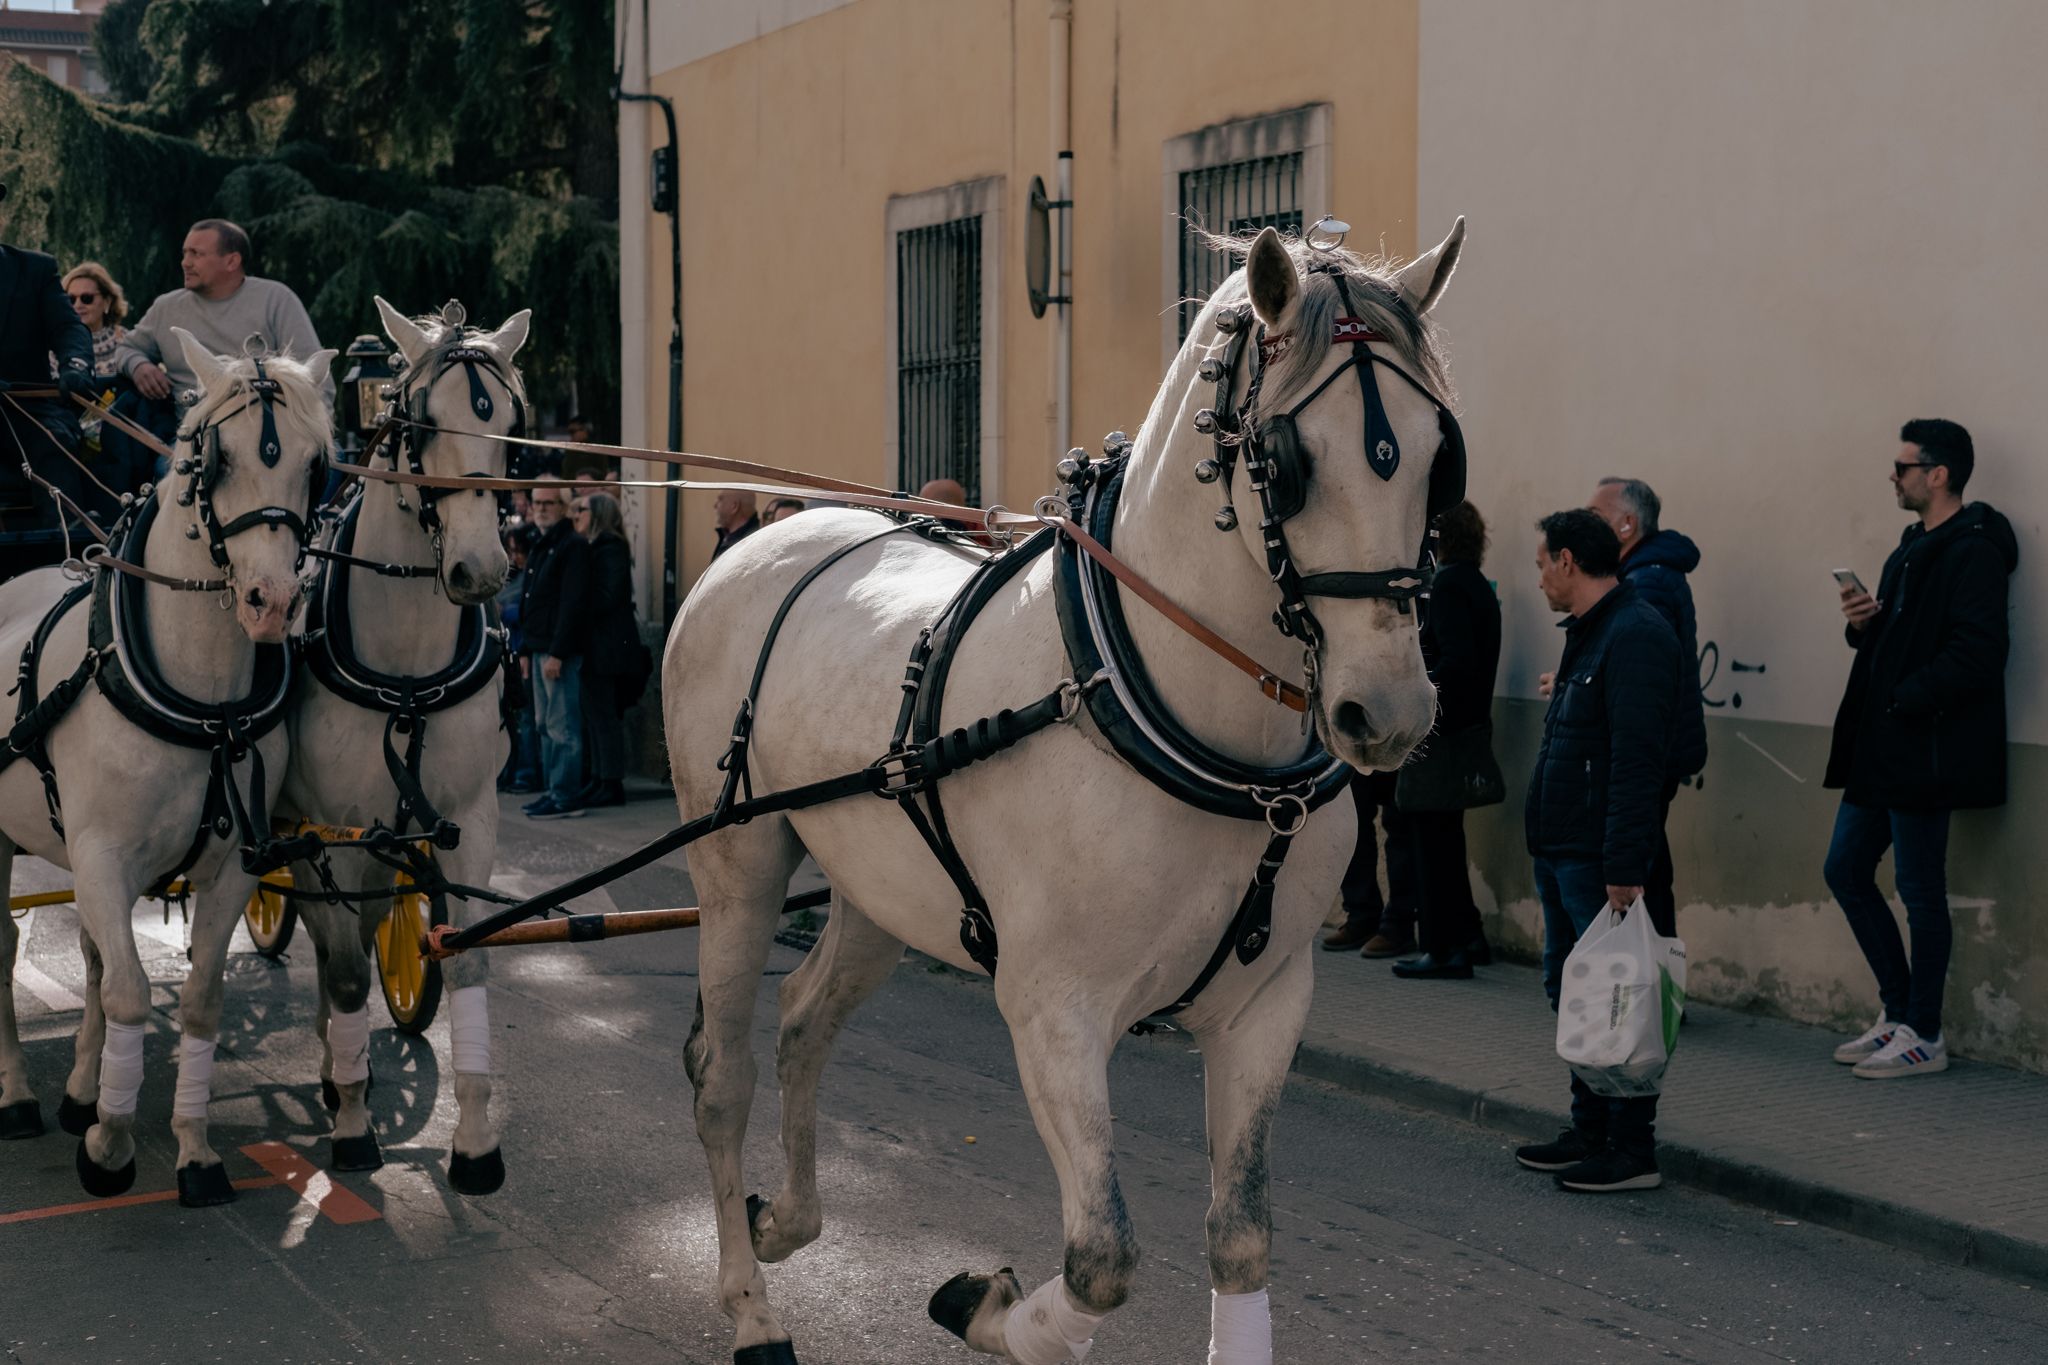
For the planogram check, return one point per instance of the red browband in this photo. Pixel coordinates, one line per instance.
(1342, 331)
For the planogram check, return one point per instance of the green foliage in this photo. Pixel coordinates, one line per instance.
(87, 185)
(117, 37)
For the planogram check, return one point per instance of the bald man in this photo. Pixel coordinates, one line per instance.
(944, 490)
(735, 518)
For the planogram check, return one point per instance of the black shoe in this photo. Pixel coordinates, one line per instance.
(1570, 1150)
(549, 809)
(1428, 968)
(1479, 952)
(610, 791)
(1612, 1170)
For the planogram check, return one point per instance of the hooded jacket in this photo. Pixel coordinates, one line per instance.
(1656, 569)
(1922, 722)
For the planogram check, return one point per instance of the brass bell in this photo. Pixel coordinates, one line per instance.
(184, 466)
(1226, 519)
(1227, 323)
(1078, 455)
(1211, 370)
(191, 533)
(1207, 471)
(1068, 470)
(185, 498)
(1205, 421)
(1115, 444)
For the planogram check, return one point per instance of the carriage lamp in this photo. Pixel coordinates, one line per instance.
(368, 373)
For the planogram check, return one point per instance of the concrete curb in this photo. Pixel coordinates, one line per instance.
(1915, 1230)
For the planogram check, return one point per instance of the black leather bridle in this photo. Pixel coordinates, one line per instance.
(202, 469)
(416, 427)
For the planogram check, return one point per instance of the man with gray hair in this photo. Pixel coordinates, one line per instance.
(1655, 562)
(223, 306)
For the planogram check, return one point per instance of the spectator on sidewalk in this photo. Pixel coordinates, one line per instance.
(1378, 926)
(1655, 562)
(222, 305)
(615, 652)
(1591, 814)
(1461, 646)
(733, 514)
(556, 621)
(781, 509)
(521, 773)
(1920, 733)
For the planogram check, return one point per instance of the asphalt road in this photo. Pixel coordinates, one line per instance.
(1398, 1236)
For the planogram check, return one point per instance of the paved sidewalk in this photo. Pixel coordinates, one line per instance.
(1953, 1166)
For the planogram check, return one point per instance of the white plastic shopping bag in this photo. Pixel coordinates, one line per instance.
(1619, 1004)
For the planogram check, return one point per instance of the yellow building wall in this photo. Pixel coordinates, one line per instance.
(793, 143)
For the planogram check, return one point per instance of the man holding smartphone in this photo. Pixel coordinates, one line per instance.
(1920, 733)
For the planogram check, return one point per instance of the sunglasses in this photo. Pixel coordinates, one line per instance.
(1899, 467)
(90, 296)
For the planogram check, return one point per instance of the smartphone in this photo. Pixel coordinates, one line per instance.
(1847, 581)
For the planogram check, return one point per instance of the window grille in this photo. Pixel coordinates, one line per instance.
(1235, 199)
(938, 354)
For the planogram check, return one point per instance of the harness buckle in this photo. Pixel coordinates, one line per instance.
(908, 774)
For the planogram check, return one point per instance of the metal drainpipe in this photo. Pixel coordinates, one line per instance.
(1063, 282)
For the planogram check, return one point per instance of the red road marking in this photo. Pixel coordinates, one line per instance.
(336, 1202)
(260, 1182)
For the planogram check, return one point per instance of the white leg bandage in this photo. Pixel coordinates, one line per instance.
(1240, 1329)
(469, 1026)
(1047, 1328)
(121, 1068)
(348, 1043)
(195, 1077)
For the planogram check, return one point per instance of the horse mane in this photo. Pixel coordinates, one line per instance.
(302, 417)
(441, 333)
(1375, 296)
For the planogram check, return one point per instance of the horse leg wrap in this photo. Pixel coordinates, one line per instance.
(121, 1068)
(195, 1077)
(469, 1026)
(1240, 1329)
(348, 1042)
(1048, 1328)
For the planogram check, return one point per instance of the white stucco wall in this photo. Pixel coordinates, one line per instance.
(1729, 248)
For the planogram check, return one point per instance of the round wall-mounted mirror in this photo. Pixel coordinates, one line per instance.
(1038, 248)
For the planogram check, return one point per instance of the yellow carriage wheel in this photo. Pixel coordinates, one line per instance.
(271, 917)
(412, 982)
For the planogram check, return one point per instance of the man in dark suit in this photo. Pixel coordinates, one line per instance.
(36, 323)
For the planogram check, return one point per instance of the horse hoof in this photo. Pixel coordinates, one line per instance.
(74, 1117)
(357, 1153)
(959, 1299)
(330, 1096)
(22, 1119)
(476, 1174)
(201, 1187)
(100, 1182)
(767, 1353)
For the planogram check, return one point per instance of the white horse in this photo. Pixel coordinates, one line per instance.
(382, 633)
(135, 805)
(1108, 895)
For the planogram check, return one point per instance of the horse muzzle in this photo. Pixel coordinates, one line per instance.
(265, 608)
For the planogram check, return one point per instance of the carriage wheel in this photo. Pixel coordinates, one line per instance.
(412, 983)
(271, 917)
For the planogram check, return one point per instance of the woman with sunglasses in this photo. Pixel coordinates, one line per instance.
(102, 307)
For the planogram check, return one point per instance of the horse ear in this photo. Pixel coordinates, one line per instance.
(320, 364)
(412, 343)
(1422, 280)
(507, 340)
(211, 369)
(1275, 288)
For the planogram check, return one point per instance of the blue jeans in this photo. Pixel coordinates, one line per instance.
(1910, 986)
(1574, 892)
(558, 715)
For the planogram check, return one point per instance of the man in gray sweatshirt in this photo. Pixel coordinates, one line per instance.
(222, 305)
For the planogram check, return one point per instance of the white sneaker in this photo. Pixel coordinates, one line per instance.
(1907, 1054)
(1873, 1039)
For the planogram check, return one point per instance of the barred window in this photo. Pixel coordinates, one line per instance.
(1235, 199)
(938, 354)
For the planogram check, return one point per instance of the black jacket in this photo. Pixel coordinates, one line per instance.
(36, 322)
(614, 634)
(1922, 723)
(728, 539)
(1461, 645)
(1656, 569)
(1598, 788)
(555, 615)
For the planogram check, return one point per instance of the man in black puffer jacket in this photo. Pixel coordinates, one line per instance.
(1655, 563)
(1920, 733)
(1593, 807)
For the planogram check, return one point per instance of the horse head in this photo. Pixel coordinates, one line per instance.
(1349, 450)
(460, 390)
(251, 467)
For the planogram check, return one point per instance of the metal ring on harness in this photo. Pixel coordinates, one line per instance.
(1050, 510)
(1006, 535)
(1278, 803)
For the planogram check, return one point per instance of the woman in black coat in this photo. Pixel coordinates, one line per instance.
(615, 652)
(1461, 646)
